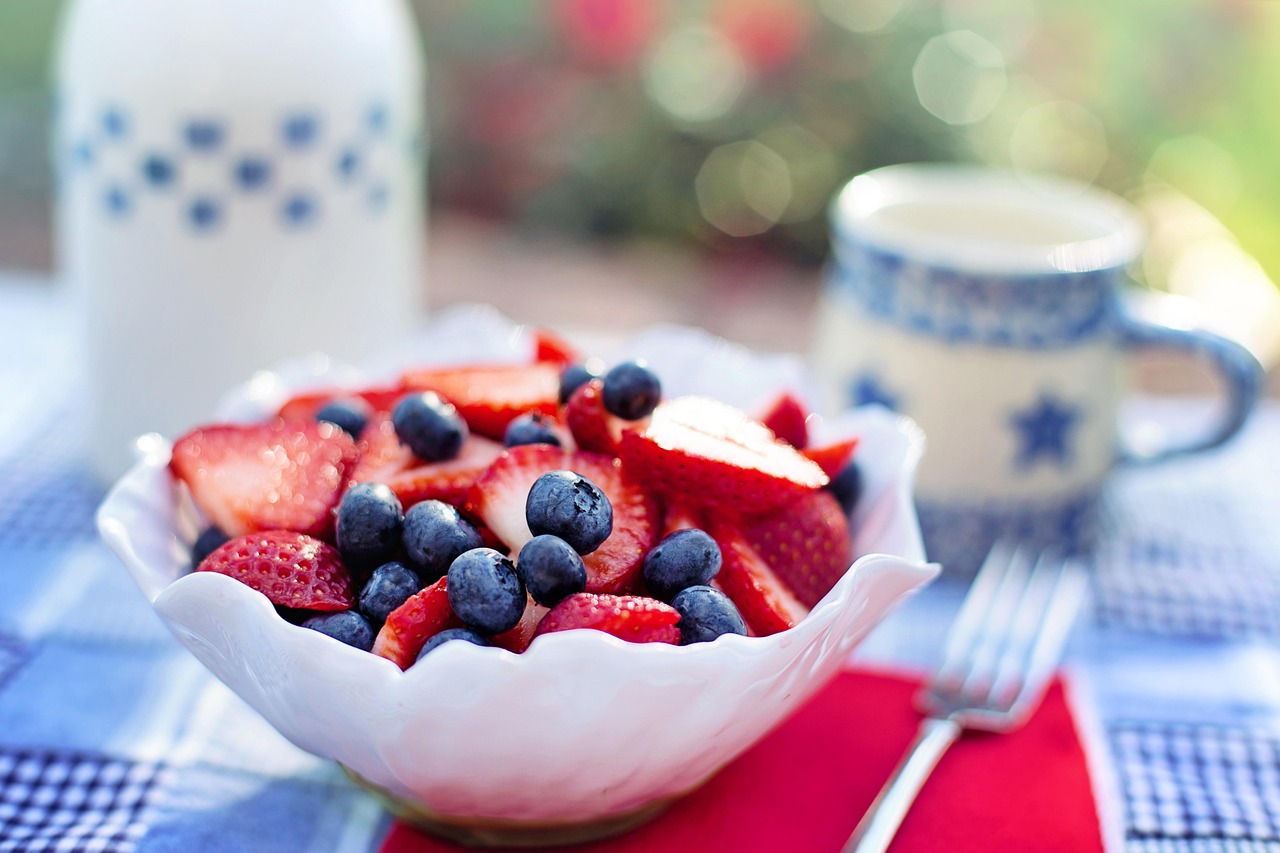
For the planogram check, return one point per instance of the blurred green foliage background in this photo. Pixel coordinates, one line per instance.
(731, 123)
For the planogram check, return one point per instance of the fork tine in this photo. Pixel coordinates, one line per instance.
(1066, 599)
(1038, 595)
(999, 623)
(968, 622)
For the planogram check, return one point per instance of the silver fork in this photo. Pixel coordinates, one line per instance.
(999, 657)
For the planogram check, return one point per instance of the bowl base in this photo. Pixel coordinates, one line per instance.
(496, 832)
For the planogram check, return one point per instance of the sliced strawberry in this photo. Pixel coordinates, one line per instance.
(593, 427)
(787, 417)
(305, 406)
(679, 516)
(707, 453)
(410, 625)
(291, 569)
(381, 453)
(832, 457)
(489, 398)
(806, 544)
(633, 618)
(277, 475)
(449, 481)
(500, 494)
(554, 349)
(518, 638)
(764, 601)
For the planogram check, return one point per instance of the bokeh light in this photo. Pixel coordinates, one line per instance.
(743, 188)
(863, 16)
(959, 77)
(1198, 167)
(696, 74)
(811, 167)
(1059, 137)
(1008, 24)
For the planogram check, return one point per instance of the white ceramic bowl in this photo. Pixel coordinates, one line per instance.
(583, 734)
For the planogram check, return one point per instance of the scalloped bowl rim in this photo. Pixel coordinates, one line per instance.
(285, 671)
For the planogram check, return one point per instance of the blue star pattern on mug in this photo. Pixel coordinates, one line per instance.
(357, 164)
(1044, 431)
(867, 390)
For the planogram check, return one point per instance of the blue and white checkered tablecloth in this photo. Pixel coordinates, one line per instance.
(112, 738)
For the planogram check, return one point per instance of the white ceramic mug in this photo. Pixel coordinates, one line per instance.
(240, 184)
(989, 307)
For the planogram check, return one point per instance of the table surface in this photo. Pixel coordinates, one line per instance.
(112, 738)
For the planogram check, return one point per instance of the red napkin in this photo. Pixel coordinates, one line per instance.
(804, 787)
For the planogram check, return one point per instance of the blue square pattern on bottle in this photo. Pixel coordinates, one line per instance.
(115, 123)
(204, 213)
(159, 171)
(204, 135)
(300, 130)
(163, 165)
(252, 173)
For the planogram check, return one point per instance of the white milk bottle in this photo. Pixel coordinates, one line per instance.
(240, 183)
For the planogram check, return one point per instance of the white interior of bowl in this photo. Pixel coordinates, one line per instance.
(582, 725)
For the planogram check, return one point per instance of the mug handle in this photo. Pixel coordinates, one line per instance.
(1241, 371)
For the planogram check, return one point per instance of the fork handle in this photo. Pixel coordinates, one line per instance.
(881, 822)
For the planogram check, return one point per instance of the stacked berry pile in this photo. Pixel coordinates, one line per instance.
(494, 504)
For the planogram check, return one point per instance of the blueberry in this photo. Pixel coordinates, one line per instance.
(572, 378)
(369, 523)
(550, 569)
(530, 428)
(464, 634)
(683, 559)
(847, 487)
(631, 391)
(390, 585)
(206, 543)
(570, 506)
(706, 613)
(434, 536)
(430, 426)
(346, 626)
(485, 592)
(350, 414)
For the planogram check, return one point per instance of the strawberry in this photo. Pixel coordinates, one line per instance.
(707, 453)
(277, 475)
(489, 398)
(291, 569)
(385, 460)
(381, 453)
(518, 638)
(764, 601)
(628, 617)
(832, 457)
(806, 544)
(304, 406)
(449, 481)
(554, 349)
(680, 517)
(593, 427)
(787, 417)
(499, 497)
(410, 625)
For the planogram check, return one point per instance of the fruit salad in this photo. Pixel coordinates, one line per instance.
(492, 504)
